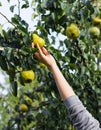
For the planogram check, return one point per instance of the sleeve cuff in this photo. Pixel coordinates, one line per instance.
(71, 101)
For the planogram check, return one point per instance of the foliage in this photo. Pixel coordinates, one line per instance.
(79, 60)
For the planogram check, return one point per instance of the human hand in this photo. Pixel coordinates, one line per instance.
(44, 56)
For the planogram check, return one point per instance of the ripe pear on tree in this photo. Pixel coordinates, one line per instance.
(38, 40)
(72, 31)
(94, 32)
(97, 21)
(27, 76)
(23, 107)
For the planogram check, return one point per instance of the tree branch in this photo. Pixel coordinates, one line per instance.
(19, 7)
(7, 19)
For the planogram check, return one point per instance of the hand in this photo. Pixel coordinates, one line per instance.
(44, 56)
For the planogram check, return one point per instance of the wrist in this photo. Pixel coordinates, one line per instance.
(53, 66)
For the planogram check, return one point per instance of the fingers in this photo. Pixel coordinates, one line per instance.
(37, 55)
(40, 51)
(32, 44)
(45, 51)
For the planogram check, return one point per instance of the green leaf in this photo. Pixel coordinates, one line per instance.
(14, 87)
(23, 29)
(0, 4)
(25, 6)
(15, 20)
(3, 63)
(71, 1)
(12, 8)
(90, 7)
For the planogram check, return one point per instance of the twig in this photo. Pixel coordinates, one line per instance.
(8, 20)
(19, 7)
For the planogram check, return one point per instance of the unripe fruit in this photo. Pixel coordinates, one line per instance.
(42, 65)
(72, 31)
(38, 40)
(29, 100)
(97, 21)
(94, 66)
(23, 108)
(27, 76)
(94, 32)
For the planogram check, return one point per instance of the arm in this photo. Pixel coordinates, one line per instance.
(80, 117)
(64, 88)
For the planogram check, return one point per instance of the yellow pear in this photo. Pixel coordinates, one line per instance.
(97, 21)
(27, 76)
(38, 40)
(94, 32)
(42, 65)
(23, 108)
(72, 31)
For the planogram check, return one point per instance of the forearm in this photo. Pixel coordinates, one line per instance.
(64, 88)
(78, 114)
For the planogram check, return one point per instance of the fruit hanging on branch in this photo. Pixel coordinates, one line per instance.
(97, 21)
(27, 76)
(42, 65)
(23, 108)
(72, 31)
(94, 32)
(38, 40)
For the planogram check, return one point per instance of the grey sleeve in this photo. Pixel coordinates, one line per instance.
(80, 117)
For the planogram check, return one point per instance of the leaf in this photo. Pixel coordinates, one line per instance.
(15, 20)
(90, 7)
(71, 1)
(22, 29)
(3, 63)
(12, 8)
(14, 88)
(25, 6)
(0, 4)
